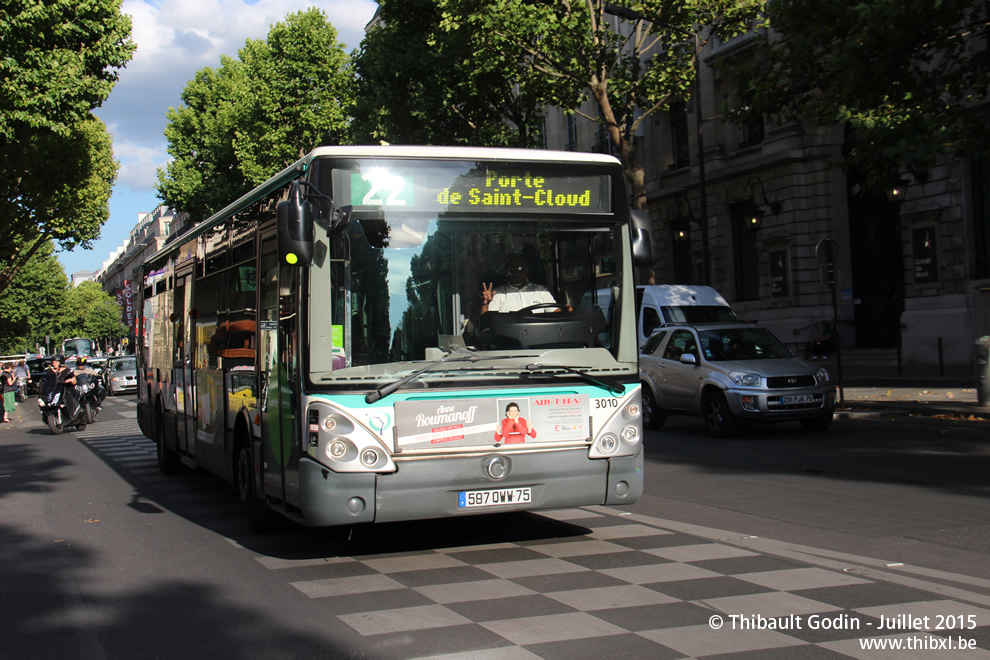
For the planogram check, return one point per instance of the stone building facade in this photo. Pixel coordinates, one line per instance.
(911, 269)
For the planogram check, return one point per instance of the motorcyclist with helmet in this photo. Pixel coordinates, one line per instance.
(87, 374)
(57, 374)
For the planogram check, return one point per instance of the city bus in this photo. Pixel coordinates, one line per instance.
(78, 346)
(320, 342)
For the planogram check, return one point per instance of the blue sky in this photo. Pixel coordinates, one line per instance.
(176, 38)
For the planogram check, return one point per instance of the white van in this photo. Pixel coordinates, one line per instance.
(657, 304)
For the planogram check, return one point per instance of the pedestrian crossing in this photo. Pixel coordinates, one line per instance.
(577, 583)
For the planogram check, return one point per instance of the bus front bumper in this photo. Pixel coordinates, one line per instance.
(435, 487)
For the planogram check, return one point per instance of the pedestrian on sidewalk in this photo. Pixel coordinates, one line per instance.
(8, 385)
(23, 375)
(824, 341)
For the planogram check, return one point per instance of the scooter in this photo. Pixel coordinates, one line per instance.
(90, 392)
(55, 409)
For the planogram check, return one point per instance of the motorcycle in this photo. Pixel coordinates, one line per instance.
(55, 408)
(90, 393)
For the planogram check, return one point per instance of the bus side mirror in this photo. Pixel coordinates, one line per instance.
(296, 216)
(642, 243)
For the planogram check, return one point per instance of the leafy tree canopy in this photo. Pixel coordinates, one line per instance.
(242, 123)
(632, 58)
(32, 305)
(90, 312)
(418, 83)
(62, 196)
(59, 59)
(903, 75)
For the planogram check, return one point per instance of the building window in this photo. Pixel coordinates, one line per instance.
(745, 251)
(752, 126)
(572, 137)
(681, 251)
(679, 135)
(981, 217)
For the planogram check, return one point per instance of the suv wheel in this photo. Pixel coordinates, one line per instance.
(720, 420)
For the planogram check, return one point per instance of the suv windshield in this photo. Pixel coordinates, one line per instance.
(741, 344)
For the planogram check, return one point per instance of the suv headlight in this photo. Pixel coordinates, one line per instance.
(821, 375)
(744, 379)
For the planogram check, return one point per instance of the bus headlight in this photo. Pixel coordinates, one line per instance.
(342, 443)
(608, 443)
(622, 434)
(369, 457)
(337, 449)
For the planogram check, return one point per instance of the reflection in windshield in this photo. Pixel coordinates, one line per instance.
(741, 344)
(384, 298)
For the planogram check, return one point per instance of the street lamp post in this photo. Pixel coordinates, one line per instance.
(625, 12)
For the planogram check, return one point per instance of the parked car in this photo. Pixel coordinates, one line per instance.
(657, 304)
(120, 374)
(728, 374)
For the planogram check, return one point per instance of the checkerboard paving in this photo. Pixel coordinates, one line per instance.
(624, 589)
(613, 586)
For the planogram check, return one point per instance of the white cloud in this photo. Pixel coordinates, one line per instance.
(176, 38)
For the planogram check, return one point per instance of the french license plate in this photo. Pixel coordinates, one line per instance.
(797, 398)
(468, 499)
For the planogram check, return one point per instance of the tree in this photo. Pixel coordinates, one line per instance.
(907, 77)
(568, 52)
(419, 84)
(59, 59)
(255, 115)
(91, 312)
(31, 306)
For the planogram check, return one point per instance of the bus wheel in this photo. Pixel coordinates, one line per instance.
(261, 518)
(168, 460)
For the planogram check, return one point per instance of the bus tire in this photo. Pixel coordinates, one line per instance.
(261, 519)
(168, 460)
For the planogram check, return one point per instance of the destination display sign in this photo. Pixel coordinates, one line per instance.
(496, 190)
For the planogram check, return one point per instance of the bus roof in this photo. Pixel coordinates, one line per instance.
(380, 151)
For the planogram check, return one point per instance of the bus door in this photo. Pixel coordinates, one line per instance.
(279, 378)
(185, 400)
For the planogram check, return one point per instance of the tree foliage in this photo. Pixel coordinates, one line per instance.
(570, 51)
(90, 312)
(59, 59)
(905, 76)
(254, 115)
(418, 83)
(31, 306)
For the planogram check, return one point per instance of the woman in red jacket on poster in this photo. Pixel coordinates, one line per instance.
(514, 428)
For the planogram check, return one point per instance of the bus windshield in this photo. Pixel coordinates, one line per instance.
(403, 283)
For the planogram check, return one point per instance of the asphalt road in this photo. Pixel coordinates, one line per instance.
(103, 557)
(903, 488)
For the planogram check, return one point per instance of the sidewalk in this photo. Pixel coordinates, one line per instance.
(872, 381)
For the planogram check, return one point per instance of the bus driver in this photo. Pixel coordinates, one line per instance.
(517, 292)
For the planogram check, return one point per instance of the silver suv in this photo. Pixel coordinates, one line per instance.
(731, 373)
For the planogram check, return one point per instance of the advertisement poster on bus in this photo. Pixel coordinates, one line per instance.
(492, 422)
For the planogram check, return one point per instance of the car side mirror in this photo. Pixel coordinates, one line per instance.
(688, 358)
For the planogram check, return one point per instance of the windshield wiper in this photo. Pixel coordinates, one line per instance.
(385, 390)
(603, 383)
